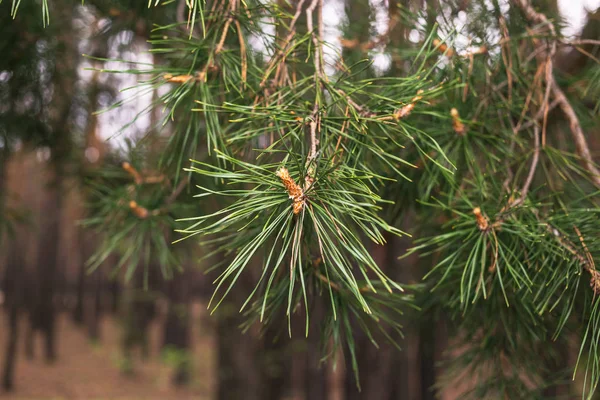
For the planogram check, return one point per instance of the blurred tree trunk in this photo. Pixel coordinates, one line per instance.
(44, 312)
(30, 340)
(13, 295)
(11, 344)
(84, 243)
(239, 375)
(115, 295)
(316, 374)
(374, 364)
(427, 349)
(177, 326)
(140, 310)
(239, 378)
(276, 363)
(64, 76)
(96, 314)
(79, 292)
(404, 381)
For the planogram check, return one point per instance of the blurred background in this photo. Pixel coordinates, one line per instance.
(66, 333)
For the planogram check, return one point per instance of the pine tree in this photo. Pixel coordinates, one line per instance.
(291, 157)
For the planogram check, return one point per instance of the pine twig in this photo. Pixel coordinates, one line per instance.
(173, 196)
(316, 37)
(312, 154)
(532, 168)
(375, 42)
(137, 177)
(574, 124)
(139, 211)
(282, 50)
(577, 133)
(580, 42)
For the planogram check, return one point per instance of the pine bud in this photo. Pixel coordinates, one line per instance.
(133, 172)
(407, 109)
(482, 221)
(443, 48)
(458, 126)
(177, 78)
(294, 190)
(139, 211)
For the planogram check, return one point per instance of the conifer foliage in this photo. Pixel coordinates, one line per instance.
(282, 148)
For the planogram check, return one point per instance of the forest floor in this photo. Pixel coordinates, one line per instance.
(86, 370)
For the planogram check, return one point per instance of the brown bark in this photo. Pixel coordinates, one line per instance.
(316, 375)
(13, 281)
(177, 325)
(96, 311)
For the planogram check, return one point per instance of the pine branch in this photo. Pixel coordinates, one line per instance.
(173, 196)
(575, 126)
(279, 56)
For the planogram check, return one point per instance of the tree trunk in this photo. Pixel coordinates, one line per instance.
(11, 349)
(13, 294)
(47, 264)
(139, 312)
(115, 294)
(80, 291)
(374, 364)
(96, 315)
(177, 327)
(316, 375)
(427, 351)
(276, 362)
(30, 341)
(238, 375)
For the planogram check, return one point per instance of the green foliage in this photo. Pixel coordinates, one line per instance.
(134, 215)
(338, 137)
(303, 166)
(14, 7)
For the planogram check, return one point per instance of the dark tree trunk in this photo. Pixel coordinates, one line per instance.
(80, 291)
(50, 342)
(177, 326)
(239, 378)
(47, 263)
(115, 294)
(556, 375)
(11, 349)
(275, 359)
(140, 310)
(238, 375)
(406, 379)
(30, 341)
(96, 314)
(374, 364)
(13, 282)
(31, 301)
(427, 351)
(316, 375)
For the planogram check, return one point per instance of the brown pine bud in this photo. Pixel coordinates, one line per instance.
(479, 50)
(349, 43)
(407, 109)
(139, 211)
(133, 172)
(458, 126)
(482, 221)
(294, 190)
(177, 78)
(443, 48)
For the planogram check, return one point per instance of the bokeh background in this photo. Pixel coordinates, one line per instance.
(69, 334)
